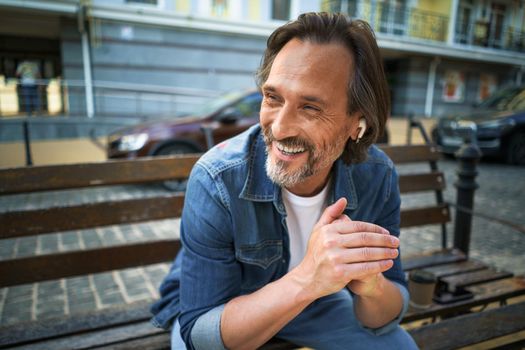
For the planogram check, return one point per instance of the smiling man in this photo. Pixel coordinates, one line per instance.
(291, 228)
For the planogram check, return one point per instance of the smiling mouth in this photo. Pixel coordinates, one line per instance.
(290, 151)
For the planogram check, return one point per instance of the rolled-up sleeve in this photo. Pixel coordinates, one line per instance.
(206, 332)
(210, 274)
(390, 218)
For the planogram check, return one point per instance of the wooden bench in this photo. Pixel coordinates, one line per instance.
(128, 326)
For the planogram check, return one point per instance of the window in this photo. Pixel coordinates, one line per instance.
(464, 22)
(393, 16)
(281, 10)
(348, 7)
(497, 18)
(250, 105)
(219, 8)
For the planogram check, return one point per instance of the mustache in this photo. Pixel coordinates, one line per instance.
(290, 142)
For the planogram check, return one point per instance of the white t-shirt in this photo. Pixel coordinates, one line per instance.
(302, 213)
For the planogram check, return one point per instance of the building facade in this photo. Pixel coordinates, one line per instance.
(154, 57)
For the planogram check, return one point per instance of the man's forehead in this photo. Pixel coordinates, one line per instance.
(321, 67)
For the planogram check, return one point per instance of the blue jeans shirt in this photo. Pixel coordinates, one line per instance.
(234, 235)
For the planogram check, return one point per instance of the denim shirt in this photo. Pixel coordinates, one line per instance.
(234, 235)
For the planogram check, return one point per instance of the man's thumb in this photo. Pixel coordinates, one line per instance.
(332, 212)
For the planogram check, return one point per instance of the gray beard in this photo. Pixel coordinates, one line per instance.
(279, 175)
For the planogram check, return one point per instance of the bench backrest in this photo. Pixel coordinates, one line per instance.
(422, 181)
(63, 218)
(124, 211)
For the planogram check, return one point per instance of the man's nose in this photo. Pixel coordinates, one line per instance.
(285, 123)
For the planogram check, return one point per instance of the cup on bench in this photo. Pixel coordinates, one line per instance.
(421, 286)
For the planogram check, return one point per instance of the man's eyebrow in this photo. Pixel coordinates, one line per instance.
(314, 99)
(269, 88)
(309, 98)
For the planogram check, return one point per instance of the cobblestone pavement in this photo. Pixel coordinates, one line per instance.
(501, 194)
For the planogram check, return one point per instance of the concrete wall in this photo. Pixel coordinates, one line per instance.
(157, 56)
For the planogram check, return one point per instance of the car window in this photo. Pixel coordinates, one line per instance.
(218, 103)
(249, 105)
(518, 102)
(501, 100)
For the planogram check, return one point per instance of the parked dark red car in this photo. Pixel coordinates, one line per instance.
(222, 118)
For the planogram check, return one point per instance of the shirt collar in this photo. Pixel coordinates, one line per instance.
(259, 188)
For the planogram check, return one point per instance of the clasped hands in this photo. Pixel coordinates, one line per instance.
(342, 252)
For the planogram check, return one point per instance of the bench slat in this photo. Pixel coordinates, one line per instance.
(56, 219)
(456, 268)
(82, 262)
(483, 294)
(91, 339)
(439, 214)
(432, 258)
(421, 182)
(411, 153)
(153, 341)
(471, 329)
(112, 172)
(31, 331)
(475, 277)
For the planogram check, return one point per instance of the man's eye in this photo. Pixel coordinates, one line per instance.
(311, 108)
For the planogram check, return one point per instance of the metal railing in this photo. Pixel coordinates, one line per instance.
(111, 99)
(389, 18)
(397, 19)
(484, 34)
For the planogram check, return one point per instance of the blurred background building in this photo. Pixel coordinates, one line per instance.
(145, 58)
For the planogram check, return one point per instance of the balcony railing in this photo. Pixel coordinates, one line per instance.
(412, 23)
(481, 33)
(389, 18)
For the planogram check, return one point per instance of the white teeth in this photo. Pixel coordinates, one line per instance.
(291, 150)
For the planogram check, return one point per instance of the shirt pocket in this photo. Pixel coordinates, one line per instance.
(261, 254)
(260, 263)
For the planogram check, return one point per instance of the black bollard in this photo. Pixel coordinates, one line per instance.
(27, 143)
(468, 157)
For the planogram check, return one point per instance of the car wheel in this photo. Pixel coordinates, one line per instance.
(178, 185)
(516, 149)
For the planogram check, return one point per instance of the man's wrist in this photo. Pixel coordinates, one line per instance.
(300, 286)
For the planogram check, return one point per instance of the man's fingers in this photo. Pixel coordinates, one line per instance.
(345, 227)
(361, 270)
(366, 254)
(368, 239)
(332, 212)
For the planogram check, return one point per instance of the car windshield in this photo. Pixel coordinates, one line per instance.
(218, 103)
(504, 99)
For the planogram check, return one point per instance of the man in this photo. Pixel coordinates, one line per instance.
(28, 72)
(290, 229)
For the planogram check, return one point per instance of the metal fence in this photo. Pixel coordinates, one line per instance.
(110, 99)
(398, 19)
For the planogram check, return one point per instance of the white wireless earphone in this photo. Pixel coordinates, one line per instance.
(362, 129)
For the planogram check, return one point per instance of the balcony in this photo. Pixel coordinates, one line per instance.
(485, 34)
(397, 19)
